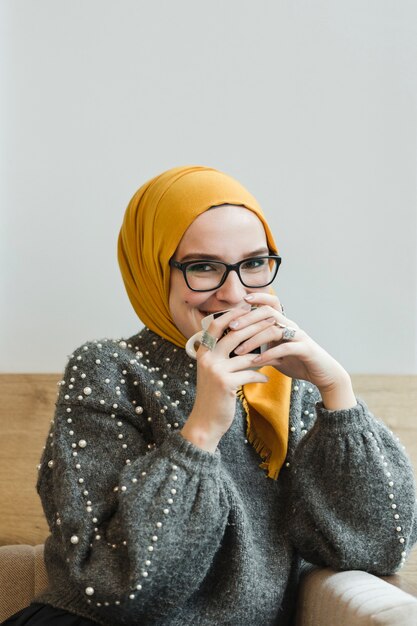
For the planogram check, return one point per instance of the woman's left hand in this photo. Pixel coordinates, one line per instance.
(299, 357)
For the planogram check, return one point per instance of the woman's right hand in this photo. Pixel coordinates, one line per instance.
(218, 379)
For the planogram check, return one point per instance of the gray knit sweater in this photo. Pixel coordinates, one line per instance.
(148, 529)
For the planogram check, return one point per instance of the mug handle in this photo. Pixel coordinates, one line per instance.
(190, 345)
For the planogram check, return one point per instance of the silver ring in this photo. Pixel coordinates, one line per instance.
(208, 340)
(288, 333)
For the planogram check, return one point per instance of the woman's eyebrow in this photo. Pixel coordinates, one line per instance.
(214, 257)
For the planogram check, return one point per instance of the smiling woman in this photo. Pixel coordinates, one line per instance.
(183, 490)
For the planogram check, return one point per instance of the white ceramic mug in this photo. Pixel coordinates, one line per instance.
(190, 346)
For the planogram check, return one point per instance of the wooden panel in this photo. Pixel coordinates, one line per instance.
(27, 407)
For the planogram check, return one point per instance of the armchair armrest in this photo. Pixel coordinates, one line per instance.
(352, 598)
(22, 577)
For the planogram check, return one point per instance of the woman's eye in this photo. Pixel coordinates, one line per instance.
(254, 264)
(201, 268)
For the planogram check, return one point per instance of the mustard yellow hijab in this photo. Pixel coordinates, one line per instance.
(155, 221)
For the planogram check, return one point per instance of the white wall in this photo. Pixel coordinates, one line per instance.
(312, 105)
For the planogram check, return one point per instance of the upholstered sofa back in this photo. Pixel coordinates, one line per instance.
(26, 408)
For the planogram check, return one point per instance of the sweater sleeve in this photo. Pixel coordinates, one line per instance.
(133, 525)
(351, 493)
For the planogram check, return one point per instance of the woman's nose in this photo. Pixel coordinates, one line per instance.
(232, 290)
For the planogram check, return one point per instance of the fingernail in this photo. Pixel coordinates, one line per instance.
(234, 324)
(256, 359)
(249, 297)
(238, 350)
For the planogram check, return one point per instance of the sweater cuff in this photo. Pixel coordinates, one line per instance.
(185, 454)
(357, 418)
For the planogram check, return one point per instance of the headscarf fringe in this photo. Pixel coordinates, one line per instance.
(259, 445)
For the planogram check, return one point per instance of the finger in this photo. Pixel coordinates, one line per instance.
(234, 338)
(240, 363)
(259, 300)
(274, 334)
(261, 297)
(249, 376)
(255, 315)
(267, 336)
(219, 325)
(288, 348)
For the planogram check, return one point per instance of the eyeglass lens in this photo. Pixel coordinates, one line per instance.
(207, 275)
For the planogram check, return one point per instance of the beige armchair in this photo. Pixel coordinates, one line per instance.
(326, 598)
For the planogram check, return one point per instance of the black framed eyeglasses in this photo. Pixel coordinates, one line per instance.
(207, 275)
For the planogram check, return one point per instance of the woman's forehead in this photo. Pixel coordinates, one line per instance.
(225, 216)
(224, 227)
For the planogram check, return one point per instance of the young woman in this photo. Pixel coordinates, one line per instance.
(182, 491)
